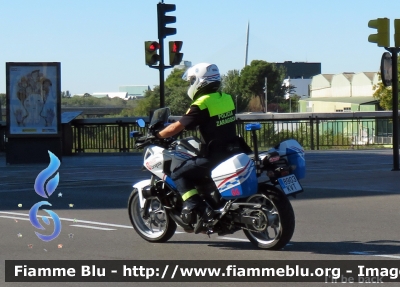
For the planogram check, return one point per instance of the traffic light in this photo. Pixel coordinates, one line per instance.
(382, 37)
(397, 32)
(175, 57)
(151, 48)
(163, 20)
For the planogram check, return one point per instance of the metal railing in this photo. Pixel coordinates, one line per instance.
(313, 131)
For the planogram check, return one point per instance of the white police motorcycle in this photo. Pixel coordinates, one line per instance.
(240, 200)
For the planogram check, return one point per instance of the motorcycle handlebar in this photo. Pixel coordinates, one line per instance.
(144, 141)
(150, 139)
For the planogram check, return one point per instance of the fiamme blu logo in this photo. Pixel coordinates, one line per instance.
(45, 185)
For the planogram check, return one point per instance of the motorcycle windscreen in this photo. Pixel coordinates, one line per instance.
(236, 177)
(160, 116)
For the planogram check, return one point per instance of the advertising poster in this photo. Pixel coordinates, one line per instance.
(33, 99)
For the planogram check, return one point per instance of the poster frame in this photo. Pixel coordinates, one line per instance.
(46, 93)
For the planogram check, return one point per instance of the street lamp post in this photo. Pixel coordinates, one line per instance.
(236, 102)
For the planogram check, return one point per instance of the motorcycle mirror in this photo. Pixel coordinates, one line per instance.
(141, 123)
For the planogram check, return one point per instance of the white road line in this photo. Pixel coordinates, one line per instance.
(94, 222)
(91, 227)
(233, 238)
(68, 219)
(14, 217)
(377, 255)
(75, 220)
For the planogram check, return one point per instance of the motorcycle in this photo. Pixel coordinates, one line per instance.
(241, 200)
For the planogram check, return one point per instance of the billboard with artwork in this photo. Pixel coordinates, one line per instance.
(33, 94)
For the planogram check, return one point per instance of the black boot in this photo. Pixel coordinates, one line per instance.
(195, 205)
(205, 214)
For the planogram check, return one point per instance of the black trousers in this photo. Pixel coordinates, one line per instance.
(192, 171)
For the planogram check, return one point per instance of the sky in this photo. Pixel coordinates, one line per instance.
(100, 44)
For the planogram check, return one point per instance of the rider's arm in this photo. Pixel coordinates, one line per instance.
(171, 130)
(193, 117)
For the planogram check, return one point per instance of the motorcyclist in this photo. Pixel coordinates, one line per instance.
(213, 112)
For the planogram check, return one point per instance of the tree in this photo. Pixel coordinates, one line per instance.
(151, 101)
(174, 79)
(3, 100)
(178, 100)
(65, 94)
(252, 81)
(231, 85)
(175, 96)
(384, 94)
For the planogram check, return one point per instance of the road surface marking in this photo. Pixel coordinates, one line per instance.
(75, 220)
(377, 255)
(72, 220)
(14, 217)
(233, 238)
(91, 227)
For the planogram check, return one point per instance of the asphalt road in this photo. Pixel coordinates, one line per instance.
(349, 211)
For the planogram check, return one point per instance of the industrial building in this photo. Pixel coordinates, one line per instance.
(345, 92)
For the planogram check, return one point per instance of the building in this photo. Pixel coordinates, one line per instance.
(184, 65)
(345, 92)
(300, 70)
(135, 91)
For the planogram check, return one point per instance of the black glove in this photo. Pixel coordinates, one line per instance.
(155, 134)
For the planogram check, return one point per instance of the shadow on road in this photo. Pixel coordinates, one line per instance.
(381, 247)
(117, 197)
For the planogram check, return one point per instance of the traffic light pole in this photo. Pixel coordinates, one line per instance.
(382, 39)
(161, 68)
(151, 47)
(395, 104)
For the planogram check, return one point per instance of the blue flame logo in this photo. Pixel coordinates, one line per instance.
(45, 174)
(36, 223)
(41, 190)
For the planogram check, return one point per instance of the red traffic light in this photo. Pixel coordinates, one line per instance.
(175, 57)
(151, 55)
(176, 46)
(153, 46)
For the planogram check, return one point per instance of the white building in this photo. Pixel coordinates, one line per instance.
(134, 91)
(343, 92)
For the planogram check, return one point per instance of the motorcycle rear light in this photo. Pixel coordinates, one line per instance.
(284, 172)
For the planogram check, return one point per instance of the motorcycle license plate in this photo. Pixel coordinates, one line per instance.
(290, 184)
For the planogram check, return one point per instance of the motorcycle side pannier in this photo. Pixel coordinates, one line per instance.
(294, 153)
(236, 177)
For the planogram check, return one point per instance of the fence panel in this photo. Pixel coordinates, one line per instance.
(311, 132)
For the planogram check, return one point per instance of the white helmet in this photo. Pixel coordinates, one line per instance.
(200, 76)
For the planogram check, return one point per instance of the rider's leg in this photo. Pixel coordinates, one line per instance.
(185, 177)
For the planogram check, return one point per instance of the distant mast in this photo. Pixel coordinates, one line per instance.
(247, 44)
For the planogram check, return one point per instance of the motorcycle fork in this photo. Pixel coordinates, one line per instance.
(147, 202)
(164, 199)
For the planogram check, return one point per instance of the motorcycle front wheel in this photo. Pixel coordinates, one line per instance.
(158, 226)
(276, 221)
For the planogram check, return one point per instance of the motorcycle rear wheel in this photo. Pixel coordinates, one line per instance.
(277, 220)
(159, 227)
